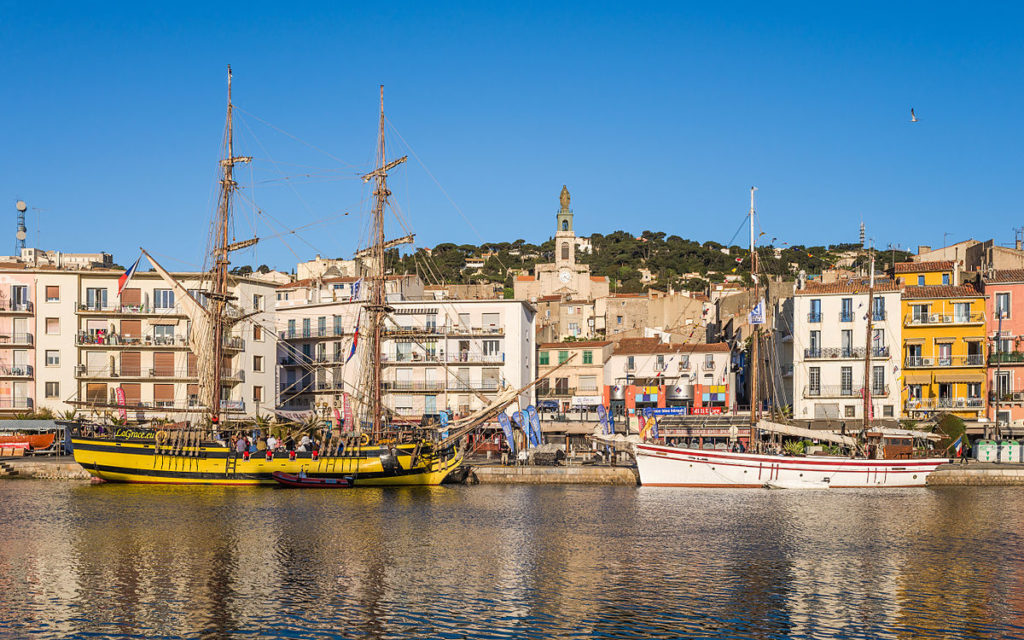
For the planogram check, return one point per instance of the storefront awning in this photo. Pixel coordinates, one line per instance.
(917, 378)
(962, 376)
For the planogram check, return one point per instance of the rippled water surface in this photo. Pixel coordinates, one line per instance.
(80, 560)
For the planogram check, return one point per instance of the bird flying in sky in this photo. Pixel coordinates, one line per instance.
(913, 118)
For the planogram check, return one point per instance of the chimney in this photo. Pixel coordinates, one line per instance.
(1017, 244)
(801, 280)
(923, 248)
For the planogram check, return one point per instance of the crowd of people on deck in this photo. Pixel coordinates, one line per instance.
(257, 443)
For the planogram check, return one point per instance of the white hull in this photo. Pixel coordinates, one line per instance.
(661, 466)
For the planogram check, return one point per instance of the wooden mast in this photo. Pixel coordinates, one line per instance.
(754, 436)
(867, 346)
(219, 294)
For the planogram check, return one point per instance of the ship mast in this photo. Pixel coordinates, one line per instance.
(378, 306)
(754, 436)
(219, 293)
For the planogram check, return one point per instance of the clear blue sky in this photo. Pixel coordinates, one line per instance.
(657, 118)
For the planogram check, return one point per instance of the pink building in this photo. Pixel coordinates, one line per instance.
(17, 353)
(1004, 291)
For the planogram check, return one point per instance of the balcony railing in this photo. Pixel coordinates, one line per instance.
(15, 340)
(468, 358)
(814, 317)
(1015, 397)
(931, 404)
(15, 403)
(85, 339)
(913, 320)
(973, 360)
(82, 371)
(330, 332)
(557, 391)
(845, 316)
(131, 310)
(9, 306)
(17, 371)
(444, 330)
(831, 391)
(879, 316)
(834, 352)
(1006, 357)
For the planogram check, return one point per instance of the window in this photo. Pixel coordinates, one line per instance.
(588, 383)
(52, 326)
(163, 333)
(52, 293)
(562, 356)
(850, 411)
(321, 326)
(588, 357)
(199, 295)
(814, 381)
(257, 394)
(887, 411)
(684, 362)
(544, 358)
(1002, 382)
(974, 390)
(814, 348)
(95, 298)
(709, 361)
(1002, 305)
(878, 380)
(846, 381)
(565, 246)
(339, 331)
(630, 363)
(920, 281)
(920, 313)
(257, 333)
(945, 354)
(961, 312)
(257, 302)
(306, 327)
(618, 319)
(574, 328)
(491, 347)
(52, 358)
(257, 363)
(879, 304)
(569, 311)
(52, 389)
(291, 328)
(945, 278)
(163, 298)
(660, 362)
(847, 341)
(815, 314)
(878, 343)
(565, 225)
(846, 313)
(19, 297)
(914, 392)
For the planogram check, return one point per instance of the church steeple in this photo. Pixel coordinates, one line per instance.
(565, 237)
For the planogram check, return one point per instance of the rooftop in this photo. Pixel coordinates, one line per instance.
(580, 344)
(847, 286)
(1006, 275)
(918, 267)
(940, 291)
(638, 346)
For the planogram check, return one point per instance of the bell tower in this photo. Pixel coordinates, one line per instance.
(565, 237)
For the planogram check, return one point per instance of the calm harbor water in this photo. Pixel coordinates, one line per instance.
(117, 561)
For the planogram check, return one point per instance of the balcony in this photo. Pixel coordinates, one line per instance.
(879, 316)
(952, 404)
(1006, 357)
(444, 330)
(413, 386)
(832, 391)
(16, 340)
(139, 373)
(9, 403)
(1016, 397)
(918, 362)
(814, 318)
(845, 316)
(333, 332)
(305, 361)
(452, 358)
(116, 340)
(916, 320)
(838, 353)
(557, 392)
(131, 310)
(11, 307)
(17, 371)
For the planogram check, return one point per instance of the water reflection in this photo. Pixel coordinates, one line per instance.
(533, 562)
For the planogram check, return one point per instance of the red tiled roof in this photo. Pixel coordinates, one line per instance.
(575, 345)
(637, 346)
(916, 267)
(847, 286)
(599, 278)
(552, 298)
(1006, 275)
(940, 291)
(525, 278)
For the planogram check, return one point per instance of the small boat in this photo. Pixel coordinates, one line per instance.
(304, 482)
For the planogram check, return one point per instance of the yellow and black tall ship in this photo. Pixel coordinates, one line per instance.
(372, 451)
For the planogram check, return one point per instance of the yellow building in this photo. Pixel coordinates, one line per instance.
(943, 342)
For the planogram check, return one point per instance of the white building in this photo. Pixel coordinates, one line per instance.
(70, 340)
(436, 354)
(829, 334)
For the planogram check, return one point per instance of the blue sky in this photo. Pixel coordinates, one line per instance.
(657, 117)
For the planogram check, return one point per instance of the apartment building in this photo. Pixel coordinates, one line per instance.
(829, 349)
(1004, 305)
(646, 373)
(436, 354)
(578, 383)
(345, 289)
(69, 341)
(944, 333)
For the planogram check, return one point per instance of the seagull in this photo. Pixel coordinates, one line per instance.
(913, 118)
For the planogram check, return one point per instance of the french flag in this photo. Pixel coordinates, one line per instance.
(355, 341)
(122, 282)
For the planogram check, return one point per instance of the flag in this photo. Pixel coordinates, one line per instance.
(506, 428)
(337, 418)
(355, 289)
(349, 418)
(355, 342)
(121, 398)
(127, 275)
(958, 446)
(535, 434)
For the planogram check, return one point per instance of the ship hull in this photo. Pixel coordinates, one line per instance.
(138, 461)
(672, 467)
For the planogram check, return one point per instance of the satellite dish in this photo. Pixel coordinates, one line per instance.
(21, 235)
(22, 207)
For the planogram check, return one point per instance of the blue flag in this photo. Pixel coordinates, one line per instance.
(506, 426)
(521, 421)
(602, 417)
(531, 412)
